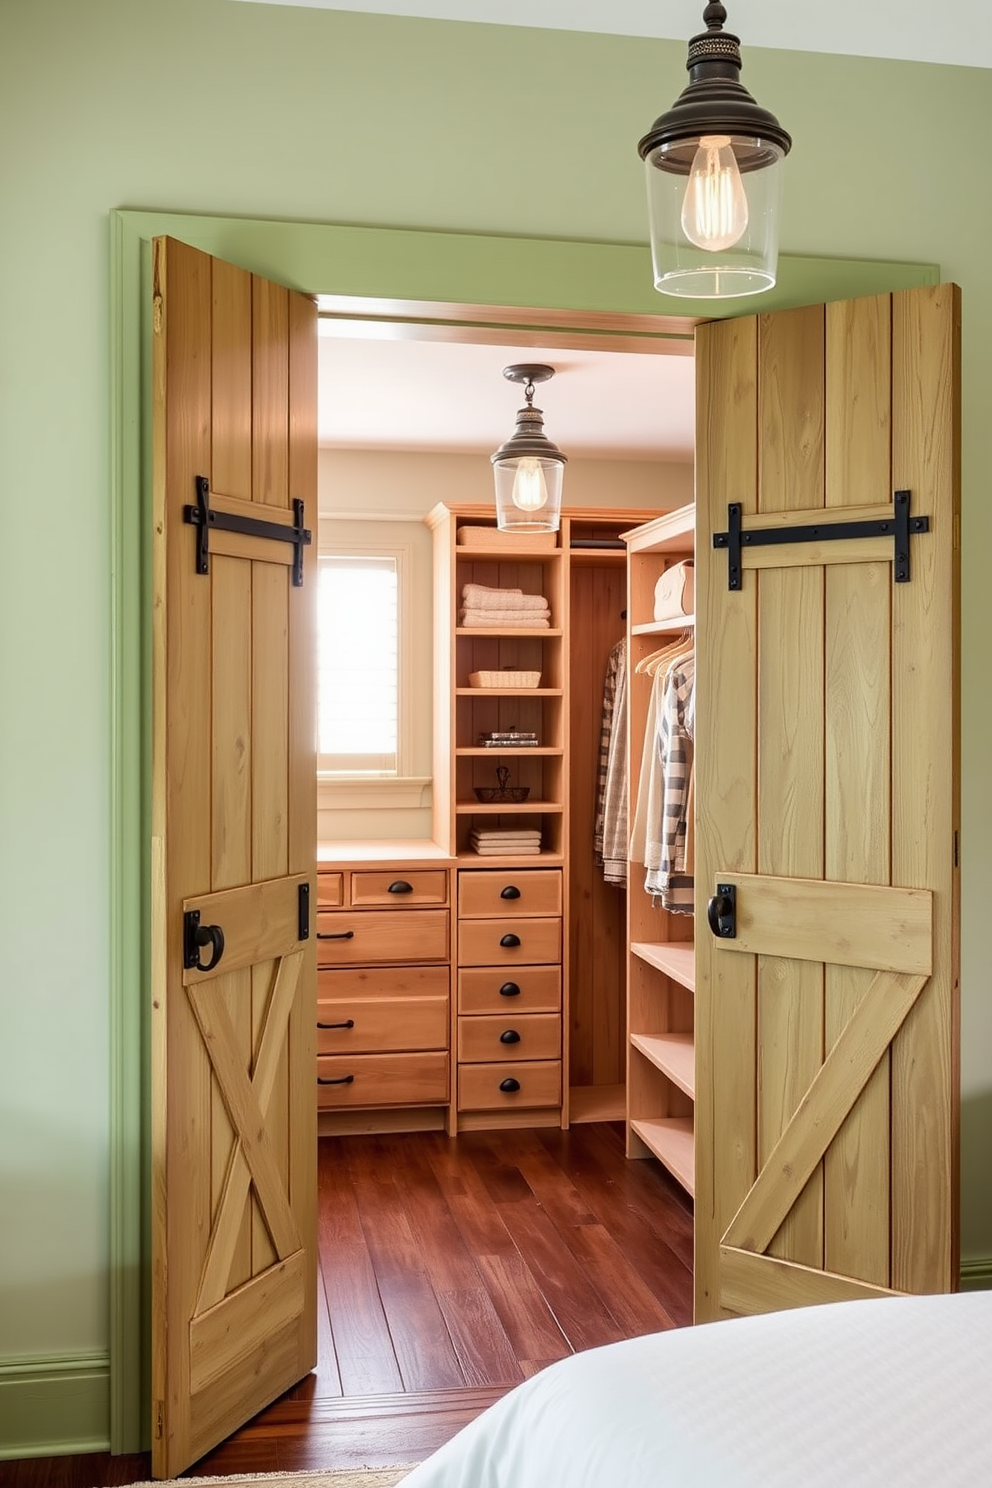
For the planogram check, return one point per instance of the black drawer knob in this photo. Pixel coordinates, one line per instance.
(511, 1036)
(509, 989)
(509, 1084)
(510, 892)
(338, 935)
(400, 886)
(510, 940)
(341, 1080)
(349, 1023)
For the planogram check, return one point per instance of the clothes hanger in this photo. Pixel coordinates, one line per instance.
(672, 649)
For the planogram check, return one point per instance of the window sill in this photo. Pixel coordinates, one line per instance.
(373, 793)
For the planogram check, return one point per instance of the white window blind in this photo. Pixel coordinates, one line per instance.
(358, 678)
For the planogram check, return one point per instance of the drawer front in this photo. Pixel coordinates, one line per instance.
(536, 1084)
(330, 890)
(381, 1080)
(525, 989)
(516, 891)
(364, 937)
(400, 889)
(483, 1040)
(383, 981)
(372, 1025)
(508, 942)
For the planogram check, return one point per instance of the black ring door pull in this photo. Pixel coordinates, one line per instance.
(195, 937)
(509, 989)
(400, 886)
(509, 1084)
(348, 1023)
(341, 1080)
(510, 940)
(511, 1036)
(338, 935)
(721, 911)
(510, 892)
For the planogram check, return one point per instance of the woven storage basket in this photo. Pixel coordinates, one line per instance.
(508, 677)
(516, 542)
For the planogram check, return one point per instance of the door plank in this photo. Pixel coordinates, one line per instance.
(849, 924)
(726, 795)
(259, 920)
(790, 737)
(270, 393)
(768, 1284)
(858, 703)
(230, 416)
(820, 1114)
(925, 772)
(222, 1336)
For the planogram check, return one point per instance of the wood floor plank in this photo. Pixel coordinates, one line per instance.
(363, 1343)
(478, 1337)
(527, 1318)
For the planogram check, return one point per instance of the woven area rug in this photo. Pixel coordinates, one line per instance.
(376, 1477)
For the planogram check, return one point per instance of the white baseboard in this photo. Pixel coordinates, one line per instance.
(53, 1407)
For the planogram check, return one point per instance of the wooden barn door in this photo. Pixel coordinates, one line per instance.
(827, 803)
(234, 829)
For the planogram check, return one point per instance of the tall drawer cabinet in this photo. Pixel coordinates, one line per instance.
(383, 997)
(509, 1024)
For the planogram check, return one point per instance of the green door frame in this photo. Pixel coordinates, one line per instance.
(580, 279)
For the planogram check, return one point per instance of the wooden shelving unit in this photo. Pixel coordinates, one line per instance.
(661, 956)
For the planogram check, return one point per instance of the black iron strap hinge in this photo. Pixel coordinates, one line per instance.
(899, 527)
(203, 517)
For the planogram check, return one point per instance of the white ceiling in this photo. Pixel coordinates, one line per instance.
(420, 395)
(910, 30)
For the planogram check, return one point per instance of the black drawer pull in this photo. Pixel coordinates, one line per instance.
(509, 989)
(510, 940)
(510, 892)
(400, 886)
(338, 935)
(509, 1084)
(349, 1023)
(341, 1080)
(511, 1036)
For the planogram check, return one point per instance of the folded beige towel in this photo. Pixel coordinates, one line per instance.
(478, 597)
(539, 619)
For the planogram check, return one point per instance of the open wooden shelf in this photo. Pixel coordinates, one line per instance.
(676, 959)
(484, 751)
(664, 627)
(596, 1103)
(673, 1053)
(517, 692)
(670, 1140)
(508, 808)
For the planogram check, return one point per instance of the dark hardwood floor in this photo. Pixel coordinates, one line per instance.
(450, 1270)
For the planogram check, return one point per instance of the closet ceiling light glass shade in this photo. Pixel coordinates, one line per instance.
(713, 164)
(528, 468)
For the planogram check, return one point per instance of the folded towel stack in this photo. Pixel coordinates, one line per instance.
(493, 608)
(505, 841)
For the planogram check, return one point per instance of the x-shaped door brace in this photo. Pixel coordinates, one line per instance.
(247, 1102)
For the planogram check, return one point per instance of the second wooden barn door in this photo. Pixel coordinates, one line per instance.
(234, 1143)
(827, 803)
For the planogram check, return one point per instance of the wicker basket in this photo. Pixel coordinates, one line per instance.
(507, 677)
(514, 542)
(502, 791)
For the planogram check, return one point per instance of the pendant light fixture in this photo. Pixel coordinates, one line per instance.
(528, 468)
(714, 173)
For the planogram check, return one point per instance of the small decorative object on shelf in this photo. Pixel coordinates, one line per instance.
(502, 790)
(505, 677)
(510, 739)
(505, 842)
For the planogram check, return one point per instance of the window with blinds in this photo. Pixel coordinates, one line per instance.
(358, 677)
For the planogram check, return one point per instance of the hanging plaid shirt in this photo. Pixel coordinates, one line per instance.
(610, 832)
(667, 875)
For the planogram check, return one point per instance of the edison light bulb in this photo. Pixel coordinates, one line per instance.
(714, 212)
(530, 490)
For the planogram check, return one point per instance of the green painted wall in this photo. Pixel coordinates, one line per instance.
(208, 106)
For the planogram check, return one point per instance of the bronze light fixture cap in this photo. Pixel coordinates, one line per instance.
(528, 438)
(714, 102)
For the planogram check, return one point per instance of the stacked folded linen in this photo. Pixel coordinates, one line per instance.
(491, 608)
(505, 841)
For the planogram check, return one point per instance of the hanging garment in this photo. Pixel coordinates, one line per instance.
(668, 875)
(610, 832)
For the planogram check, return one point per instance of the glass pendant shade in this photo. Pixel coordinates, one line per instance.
(528, 469)
(713, 164)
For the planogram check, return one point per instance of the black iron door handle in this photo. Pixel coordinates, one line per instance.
(721, 911)
(510, 892)
(400, 886)
(511, 1036)
(338, 935)
(509, 1084)
(510, 940)
(195, 937)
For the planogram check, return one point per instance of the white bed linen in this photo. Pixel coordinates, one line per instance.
(893, 1393)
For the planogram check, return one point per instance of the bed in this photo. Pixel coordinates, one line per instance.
(887, 1393)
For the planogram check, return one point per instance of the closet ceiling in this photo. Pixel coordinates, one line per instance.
(910, 30)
